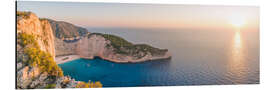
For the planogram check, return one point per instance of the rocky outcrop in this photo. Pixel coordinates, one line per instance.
(38, 27)
(97, 45)
(31, 76)
(26, 75)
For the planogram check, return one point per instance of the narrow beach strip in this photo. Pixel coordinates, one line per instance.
(67, 58)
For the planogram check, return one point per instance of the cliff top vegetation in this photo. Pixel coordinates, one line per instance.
(122, 46)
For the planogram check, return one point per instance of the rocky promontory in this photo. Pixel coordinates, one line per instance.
(35, 54)
(117, 49)
(109, 47)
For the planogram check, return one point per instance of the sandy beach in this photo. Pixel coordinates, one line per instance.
(63, 59)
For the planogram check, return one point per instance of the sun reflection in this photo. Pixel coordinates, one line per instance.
(237, 54)
(236, 63)
(237, 44)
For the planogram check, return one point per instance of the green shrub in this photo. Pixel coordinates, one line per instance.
(43, 60)
(42, 19)
(116, 42)
(25, 39)
(89, 84)
(46, 42)
(37, 57)
(122, 46)
(50, 86)
(23, 14)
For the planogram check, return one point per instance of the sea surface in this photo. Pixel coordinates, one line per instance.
(199, 57)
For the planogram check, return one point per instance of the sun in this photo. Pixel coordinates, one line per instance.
(237, 20)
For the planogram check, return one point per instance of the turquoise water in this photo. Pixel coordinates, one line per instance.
(114, 74)
(199, 57)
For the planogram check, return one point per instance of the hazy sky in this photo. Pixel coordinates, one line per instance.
(145, 15)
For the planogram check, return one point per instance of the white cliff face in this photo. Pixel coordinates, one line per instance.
(31, 76)
(63, 48)
(97, 45)
(42, 31)
(47, 37)
(40, 28)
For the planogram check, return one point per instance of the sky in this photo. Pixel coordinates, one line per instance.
(90, 14)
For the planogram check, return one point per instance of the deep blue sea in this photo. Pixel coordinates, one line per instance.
(199, 57)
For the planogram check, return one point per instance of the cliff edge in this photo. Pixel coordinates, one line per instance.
(117, 49)
(35, 52)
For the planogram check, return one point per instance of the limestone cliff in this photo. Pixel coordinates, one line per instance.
(63, 48)
(39, 28)
(110, 47)
(74, 40)
(35, 52)
(117, 49)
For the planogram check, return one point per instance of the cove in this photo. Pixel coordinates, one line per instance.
(116, 74)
